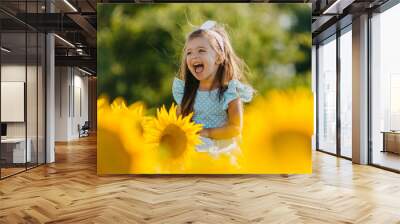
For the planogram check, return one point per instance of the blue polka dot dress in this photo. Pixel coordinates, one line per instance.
(211, 112)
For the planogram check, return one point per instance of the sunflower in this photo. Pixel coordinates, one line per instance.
(174, 137)
(102, 103)
(204, 163)
(121, 147)
(119, 105)
(277, 133)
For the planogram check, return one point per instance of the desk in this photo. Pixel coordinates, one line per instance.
(16, 148)
(391, 141)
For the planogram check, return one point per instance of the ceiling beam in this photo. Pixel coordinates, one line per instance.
(86, 26)
(337, 7)
(83, 61)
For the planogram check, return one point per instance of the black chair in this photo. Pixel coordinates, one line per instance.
(84, 130)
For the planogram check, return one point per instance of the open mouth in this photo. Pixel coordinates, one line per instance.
(198, 67)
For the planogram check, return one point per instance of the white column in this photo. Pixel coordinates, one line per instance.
(50, 110)
(314, 88)
(360, 90)
(50, 93)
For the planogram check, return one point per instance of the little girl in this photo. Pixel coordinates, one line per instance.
(209, 86)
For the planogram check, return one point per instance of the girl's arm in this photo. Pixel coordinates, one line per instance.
(233, 128)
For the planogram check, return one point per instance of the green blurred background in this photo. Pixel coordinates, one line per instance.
(140, 45)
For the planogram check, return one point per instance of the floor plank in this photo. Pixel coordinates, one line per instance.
(69, 191)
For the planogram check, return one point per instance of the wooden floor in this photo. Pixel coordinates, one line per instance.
(10, 171)
(387, 159)
(69, 191)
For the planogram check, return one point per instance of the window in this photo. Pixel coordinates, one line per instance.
(327, 95)
(385, 88)
(346, 92)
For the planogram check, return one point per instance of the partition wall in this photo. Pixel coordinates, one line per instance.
(23, 87)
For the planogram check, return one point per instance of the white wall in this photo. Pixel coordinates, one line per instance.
(71, 102)
(13, 101)
(61, 103)
(13, 72)
(10, 73)
(33, 126)
(80, 104)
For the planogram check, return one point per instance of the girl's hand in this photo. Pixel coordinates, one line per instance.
(204, 132)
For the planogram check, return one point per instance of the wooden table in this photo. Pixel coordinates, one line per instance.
(391, 141)
(13, 150)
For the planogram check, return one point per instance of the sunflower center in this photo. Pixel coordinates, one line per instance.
(174, 140)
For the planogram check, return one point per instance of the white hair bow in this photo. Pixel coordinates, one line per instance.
(207, 26)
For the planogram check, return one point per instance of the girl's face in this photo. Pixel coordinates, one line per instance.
(201, 59)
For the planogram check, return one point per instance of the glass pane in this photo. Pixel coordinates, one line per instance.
(41, 98)
(31, 98)
(345, 94)
(386, 89)
(327, 96)
(13, 86)
(23, 87)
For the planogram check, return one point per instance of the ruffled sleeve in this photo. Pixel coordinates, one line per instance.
(237, 89)
(177, 90)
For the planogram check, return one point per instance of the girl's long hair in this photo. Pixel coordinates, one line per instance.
(232, 67)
